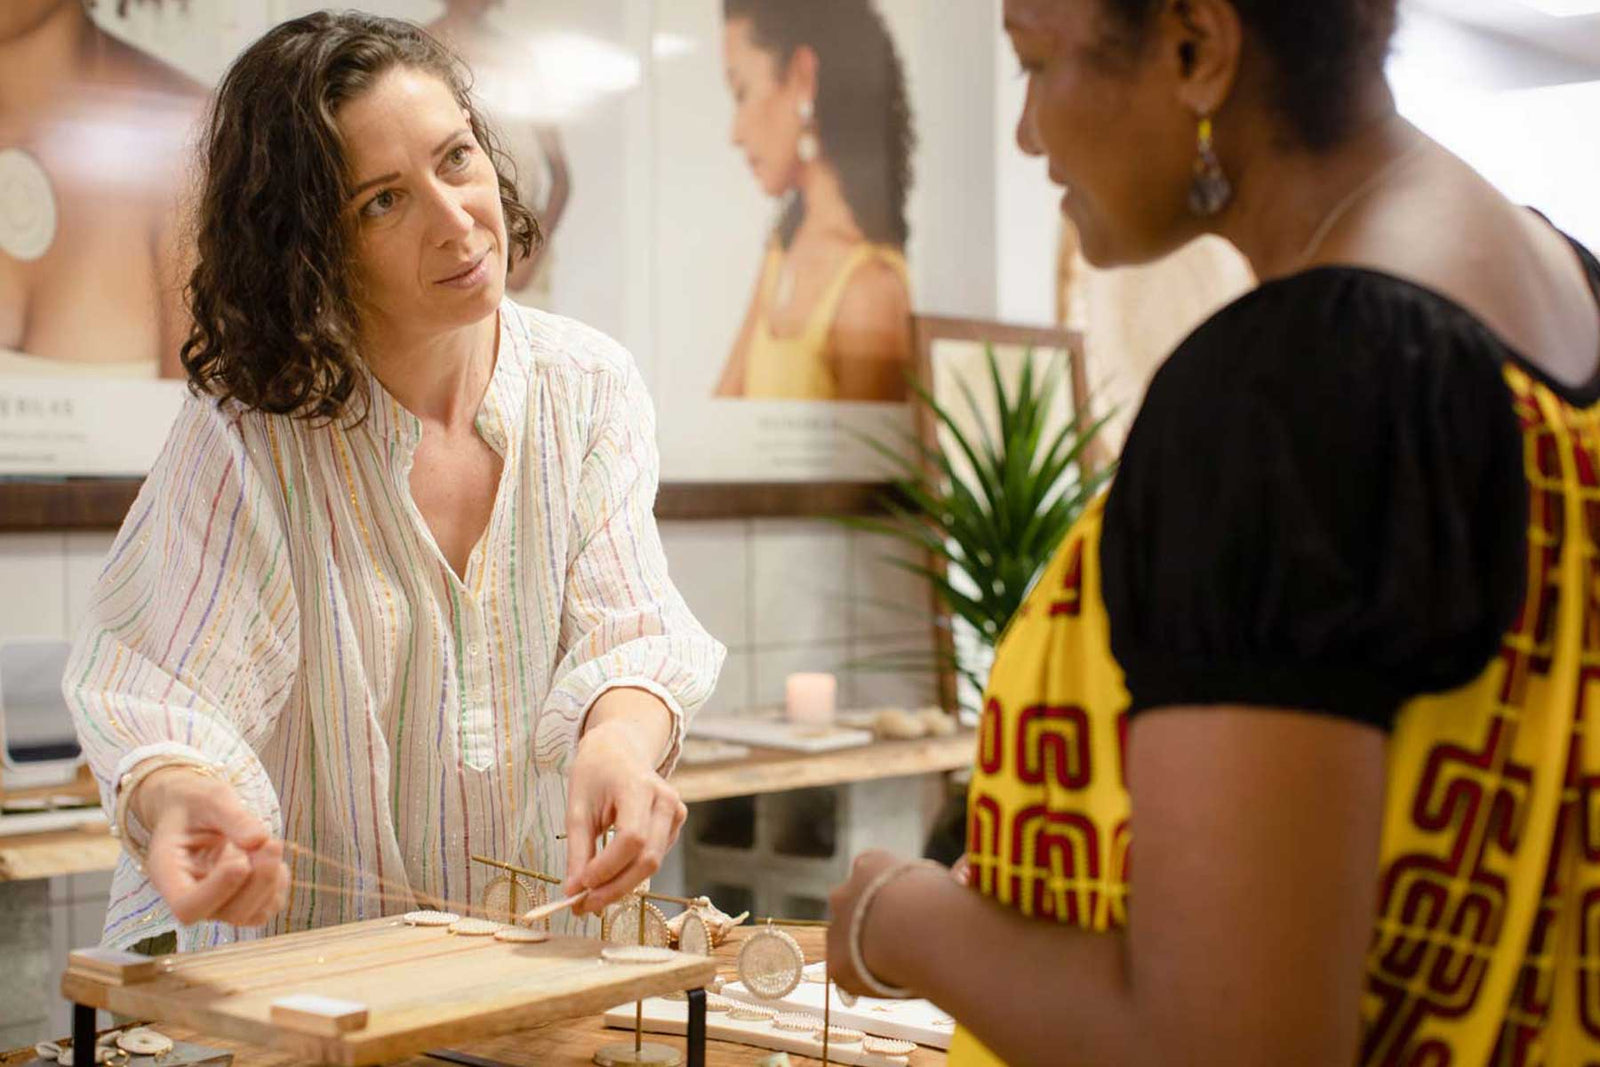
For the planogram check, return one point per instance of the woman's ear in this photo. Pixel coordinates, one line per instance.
(1202, 40)
(801, 77)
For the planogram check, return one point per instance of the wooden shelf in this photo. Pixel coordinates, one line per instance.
(768, 770)
(102, 503)
(87, 849)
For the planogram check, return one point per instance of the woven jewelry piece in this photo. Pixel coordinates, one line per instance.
(142, 1041)
(770, 964)
(521, 935)
(637, 954)
(507, 896)
(475, 927)
(623, 929)
(428, 917)
(842, 1035)
(715, 1003)
(801, 1022)
(752, 1013)
(888, 1046)
(693, 937)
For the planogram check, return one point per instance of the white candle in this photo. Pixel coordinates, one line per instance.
(810, 698)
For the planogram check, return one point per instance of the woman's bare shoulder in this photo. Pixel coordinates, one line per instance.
(1449, 231)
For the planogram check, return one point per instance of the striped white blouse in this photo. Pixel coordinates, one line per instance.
(276, 605)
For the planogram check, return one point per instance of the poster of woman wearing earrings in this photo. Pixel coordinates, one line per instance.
(822, 119)
(818, 171)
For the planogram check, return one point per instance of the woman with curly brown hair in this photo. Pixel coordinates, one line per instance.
(1288, 757)
(393, 593)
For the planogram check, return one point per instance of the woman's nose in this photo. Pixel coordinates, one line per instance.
(1028, 133)
(451, 219)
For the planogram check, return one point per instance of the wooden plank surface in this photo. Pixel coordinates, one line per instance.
(423, 987)
(78, 851)
(768, 770)
(564, 1044)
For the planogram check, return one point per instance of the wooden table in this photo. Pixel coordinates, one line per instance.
(567, 1044)
(766, 770)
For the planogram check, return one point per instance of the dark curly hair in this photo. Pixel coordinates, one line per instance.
(863, 117)
(1320, 51)
(275, 314)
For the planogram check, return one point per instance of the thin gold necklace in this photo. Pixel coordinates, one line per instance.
(1350, 199)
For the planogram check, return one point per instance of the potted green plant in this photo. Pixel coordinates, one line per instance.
(986, 508)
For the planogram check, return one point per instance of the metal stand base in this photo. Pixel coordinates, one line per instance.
(648, 1054)
(83, 1020)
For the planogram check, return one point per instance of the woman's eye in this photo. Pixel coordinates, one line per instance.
(379, 205)
(459, 156)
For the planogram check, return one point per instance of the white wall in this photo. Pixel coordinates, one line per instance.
(1027, 206)
(1525, 118)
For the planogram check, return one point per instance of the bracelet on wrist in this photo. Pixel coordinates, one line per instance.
(858, 923)
(129, 783)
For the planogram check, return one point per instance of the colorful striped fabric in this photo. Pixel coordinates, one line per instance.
(276, 605)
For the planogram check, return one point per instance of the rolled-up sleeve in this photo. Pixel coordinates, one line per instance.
(623, 622)
(189, 647)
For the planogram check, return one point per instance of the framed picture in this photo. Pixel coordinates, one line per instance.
(819, 172)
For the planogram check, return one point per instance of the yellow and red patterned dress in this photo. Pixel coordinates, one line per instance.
(1343, 494)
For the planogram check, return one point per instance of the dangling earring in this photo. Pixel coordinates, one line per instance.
(1210, 190)
(808, 148)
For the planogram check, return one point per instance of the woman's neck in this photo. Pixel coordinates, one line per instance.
(827, 211)
(1285, 199)
(440, 378)
(37, 61)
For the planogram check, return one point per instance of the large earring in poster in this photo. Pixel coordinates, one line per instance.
(808, 148)
(27, 206)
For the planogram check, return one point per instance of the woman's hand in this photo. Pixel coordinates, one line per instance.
(209, 858)
(614, 785)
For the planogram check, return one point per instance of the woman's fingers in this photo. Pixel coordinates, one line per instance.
(253, 903)
(635, 851)
(195, 897)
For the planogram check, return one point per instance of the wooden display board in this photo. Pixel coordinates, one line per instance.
(388, 989)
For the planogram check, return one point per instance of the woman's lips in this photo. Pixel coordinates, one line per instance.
(471, 276)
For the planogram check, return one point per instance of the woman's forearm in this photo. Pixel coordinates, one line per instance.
(636, 715)
(1035, 992)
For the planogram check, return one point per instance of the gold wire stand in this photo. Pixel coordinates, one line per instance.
(640, 1052)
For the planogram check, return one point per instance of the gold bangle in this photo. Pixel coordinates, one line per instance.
(129, 782)
(858, 923)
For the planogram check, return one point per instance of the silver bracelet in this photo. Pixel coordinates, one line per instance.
(858, 923)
